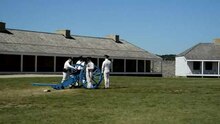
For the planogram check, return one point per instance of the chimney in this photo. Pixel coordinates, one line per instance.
(217, 41)
(65, 33)
(116, 38)
(2, 27)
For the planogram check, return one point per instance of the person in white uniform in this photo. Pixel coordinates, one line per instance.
(79, 68)
(106, 67)
(89, 72)
(80, 62)
(67, 69)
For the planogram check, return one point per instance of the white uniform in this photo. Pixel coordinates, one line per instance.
(66, 67)
(89, 73)
(80, 63)
(106, 66)
(79, 68)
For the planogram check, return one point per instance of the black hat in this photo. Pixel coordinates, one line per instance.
(89, 58)
(70, 58)
(106, 56)
(80, 58)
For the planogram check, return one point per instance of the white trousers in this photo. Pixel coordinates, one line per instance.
(106, 78)
(89, 79)
(65, 76)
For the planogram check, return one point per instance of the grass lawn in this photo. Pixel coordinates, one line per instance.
(131, 100)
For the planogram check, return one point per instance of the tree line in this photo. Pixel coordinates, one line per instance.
(170, 57)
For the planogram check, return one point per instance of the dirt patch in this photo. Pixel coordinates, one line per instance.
(31, 92)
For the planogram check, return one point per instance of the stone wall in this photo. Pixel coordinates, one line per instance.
(168, 68)
(156, 66)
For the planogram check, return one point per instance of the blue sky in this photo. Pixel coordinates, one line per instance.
(158, 26)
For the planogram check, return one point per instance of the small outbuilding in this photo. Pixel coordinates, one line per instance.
(201, 60)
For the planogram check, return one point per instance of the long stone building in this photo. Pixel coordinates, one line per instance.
(23, 51)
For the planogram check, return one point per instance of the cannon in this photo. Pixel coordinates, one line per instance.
(77, 78)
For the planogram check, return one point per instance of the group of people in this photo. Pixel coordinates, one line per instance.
(106, 67)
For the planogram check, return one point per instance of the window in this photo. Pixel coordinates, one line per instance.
(75, 59)
(45, 64)
(196, 65)
(100, 62)
(94, 60)
(140, 65)
(28, 63)
(60, 63)
(130, 65)
(208, 66)
(118, 65)
(10, 63)
(148, 65)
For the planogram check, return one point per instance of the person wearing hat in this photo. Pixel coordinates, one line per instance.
(106, 67)
(81, 64)
(67, 69)
(89, 72)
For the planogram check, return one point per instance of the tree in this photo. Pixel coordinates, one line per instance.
(170, 57)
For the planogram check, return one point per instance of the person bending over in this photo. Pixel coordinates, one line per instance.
(67, 69)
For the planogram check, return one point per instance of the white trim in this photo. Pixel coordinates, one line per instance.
(125, 65)
(151, 66)
(144, 65)
(36, 56)
(74, 55)
(206, 75)
(136, 65)
(202, 68)
(218, 68)
(35, 66)
(98, 62)
(138, 73)
(55, 62)
(202, 71)
(202, 60)
(111, 65)
(21, 63)
(59, 73)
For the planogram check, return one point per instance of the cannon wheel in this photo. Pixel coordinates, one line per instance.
(96, 79)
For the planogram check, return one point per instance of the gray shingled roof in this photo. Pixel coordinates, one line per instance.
(41, 43)
(203, 51)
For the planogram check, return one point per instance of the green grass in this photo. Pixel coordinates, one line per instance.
(131, 100)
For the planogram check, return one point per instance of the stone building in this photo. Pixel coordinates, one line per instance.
(23, 51)
(201, 60)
